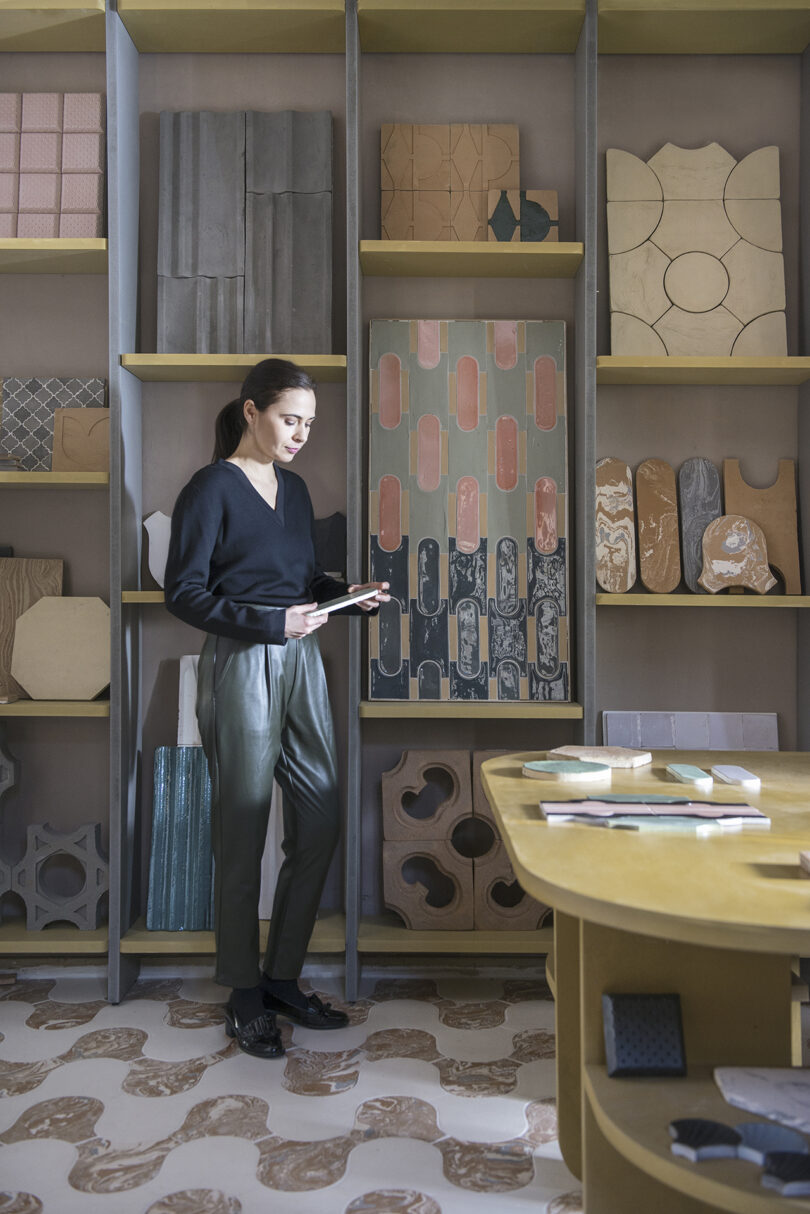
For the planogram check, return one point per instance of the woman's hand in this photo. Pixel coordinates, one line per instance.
(380, 597)
(297, 623)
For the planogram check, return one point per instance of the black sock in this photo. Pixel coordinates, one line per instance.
(286, 989)
(247, 1002)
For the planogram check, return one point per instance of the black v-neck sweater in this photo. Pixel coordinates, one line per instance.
(235, 563)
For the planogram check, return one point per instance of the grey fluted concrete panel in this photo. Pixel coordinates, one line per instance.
(200, 315)
(201, 227)
(289, 152)
(288, 280)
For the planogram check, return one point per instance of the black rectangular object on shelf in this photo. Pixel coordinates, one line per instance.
(643, 1035)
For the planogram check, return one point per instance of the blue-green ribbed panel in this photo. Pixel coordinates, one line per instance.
(180, 864)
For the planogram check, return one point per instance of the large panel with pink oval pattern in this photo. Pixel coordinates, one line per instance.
(468, 510)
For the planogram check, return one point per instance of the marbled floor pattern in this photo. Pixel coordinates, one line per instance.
(437, 1099)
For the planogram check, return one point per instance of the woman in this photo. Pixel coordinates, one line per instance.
(242, 568)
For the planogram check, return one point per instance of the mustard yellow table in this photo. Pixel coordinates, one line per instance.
(718, 919)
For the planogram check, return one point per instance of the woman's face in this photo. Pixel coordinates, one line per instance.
(280, 431)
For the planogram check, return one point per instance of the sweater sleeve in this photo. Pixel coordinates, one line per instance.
(195, 527)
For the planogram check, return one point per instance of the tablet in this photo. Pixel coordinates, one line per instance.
(345, 600)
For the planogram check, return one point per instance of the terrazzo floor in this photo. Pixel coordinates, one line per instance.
(437, 1099)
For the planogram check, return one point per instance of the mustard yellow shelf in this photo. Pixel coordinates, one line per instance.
(53, 256)
(491, 710)
(703, 600)
(226, 368)
(715, 372)
(223, 26)
(329, 936)
(55, 480)
(704, 27)
(471, 26)
(56, 708)
(52, 25)
(387, 934)
(55, 940)
(470, 259)
(142, 596)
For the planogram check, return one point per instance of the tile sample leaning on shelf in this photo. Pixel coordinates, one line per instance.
(26, 427)
(518, 215)
(62, 649)
(81, 440)
(692, 730)
(180, 896)
(700, 503)
(31, 879)
(695, 252)
(658, 535)
(615, 526)
(23, 581)
(468, 510)
(735, 554)
(774, 510)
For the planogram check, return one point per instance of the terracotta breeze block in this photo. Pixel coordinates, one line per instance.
(40, 153)
(82, 191)
(83, 112)
(40, 192)
(497, 903)
(42, 112)
(33, 226)
(9, 192)
(411, 776)
(9, 153)
(83, 153)
(10, 111)
(80, 225)
(440, 864)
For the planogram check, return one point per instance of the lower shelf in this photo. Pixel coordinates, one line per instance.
(329, 936)
(56, 708)
(491, 709)
(387, 934)
(60, 940)
(633, 1115)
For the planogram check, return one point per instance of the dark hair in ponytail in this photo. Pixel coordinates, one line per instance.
(263, 385)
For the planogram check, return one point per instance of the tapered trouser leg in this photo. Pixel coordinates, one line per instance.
(263, 711)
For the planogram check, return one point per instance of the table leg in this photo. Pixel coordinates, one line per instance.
(567, 1021)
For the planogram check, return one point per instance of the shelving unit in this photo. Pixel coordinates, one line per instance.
(245, 26)
(420, 710)
(52, 25)
(53, 941)
(716, 372)
(471, 26)
(386, 934)
(702, 600)
(469, 259)
(53, 256)
(224, 368)
(703, 27)
(329, 936)
(56, 708)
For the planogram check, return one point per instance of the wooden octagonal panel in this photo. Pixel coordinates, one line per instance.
(62, 649)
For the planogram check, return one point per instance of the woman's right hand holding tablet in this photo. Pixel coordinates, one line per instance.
(302, 619)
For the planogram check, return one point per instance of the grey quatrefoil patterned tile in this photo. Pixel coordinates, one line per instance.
(26, 425)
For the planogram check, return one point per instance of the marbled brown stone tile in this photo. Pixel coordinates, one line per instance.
(297, 1167)
(103, 1168)
(477, 1078)
(659, 555)
(312, 1073)
(487, 1167)
(16, 1078)
(567, 1203)
(69, 1118)
(162, 990)
(615, 526)
(154, 1077)
(19, 1203)
(405, 988)
(238, 1116)
(196, 1201)
(124, 1044)
(393, 1201)
(473, 1015)
(518, 990)
(401, 1043)
(51, 1015)
(541, 1120)
(397, 1117)
(530, 1045)
(184, 1014)
(32, 990)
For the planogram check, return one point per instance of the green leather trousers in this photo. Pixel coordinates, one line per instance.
(264, 712)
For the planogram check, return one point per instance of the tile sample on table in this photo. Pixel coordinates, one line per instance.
(687, 773)
(740, 777)
(62, 649)
(23, 580)
(735, 554)
(28, 405)
(692, 730)
(468, 510)
(33, 879)
(659, 558)
(695, 253)
(611, 756)
(566, 771)
(700, 502)
(81, 440)
(774, 510)
(520, 215)
(779, 1093)
(615, 526)
(181, 865)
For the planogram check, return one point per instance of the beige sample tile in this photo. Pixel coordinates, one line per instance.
(696, 282)
(735, 554)
(396, 156)
(767, 335)
(431, 157)
(659, 557)
(637, 283)
(686, 226)
(23, 580)
(698, 333)
(629, 335)
(756, 175)
(615, 526)
(757, 279)
(62, 649)
(629, 224)
(629, 179)
(415, 215)
(692, 172)
(484, 158)
(468, 215)
(81, 440)
(774, 510)
(758, 220)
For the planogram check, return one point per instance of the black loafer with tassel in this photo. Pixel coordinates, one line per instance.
(316, 1014)
(259, 1037)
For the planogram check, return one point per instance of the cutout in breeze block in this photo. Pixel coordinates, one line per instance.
(28, 877)
(415, 772)
(180, 862)
(429, 884)
(62, 649)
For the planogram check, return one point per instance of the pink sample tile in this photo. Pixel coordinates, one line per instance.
(36, 226)
(10, 111)
(83, 112)
(40, 152)
(42, 112)
(9, 153)
(8, 224)
(82, 191)
(83, 153)
(39, 192)
(80, 224)
(9, 192)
